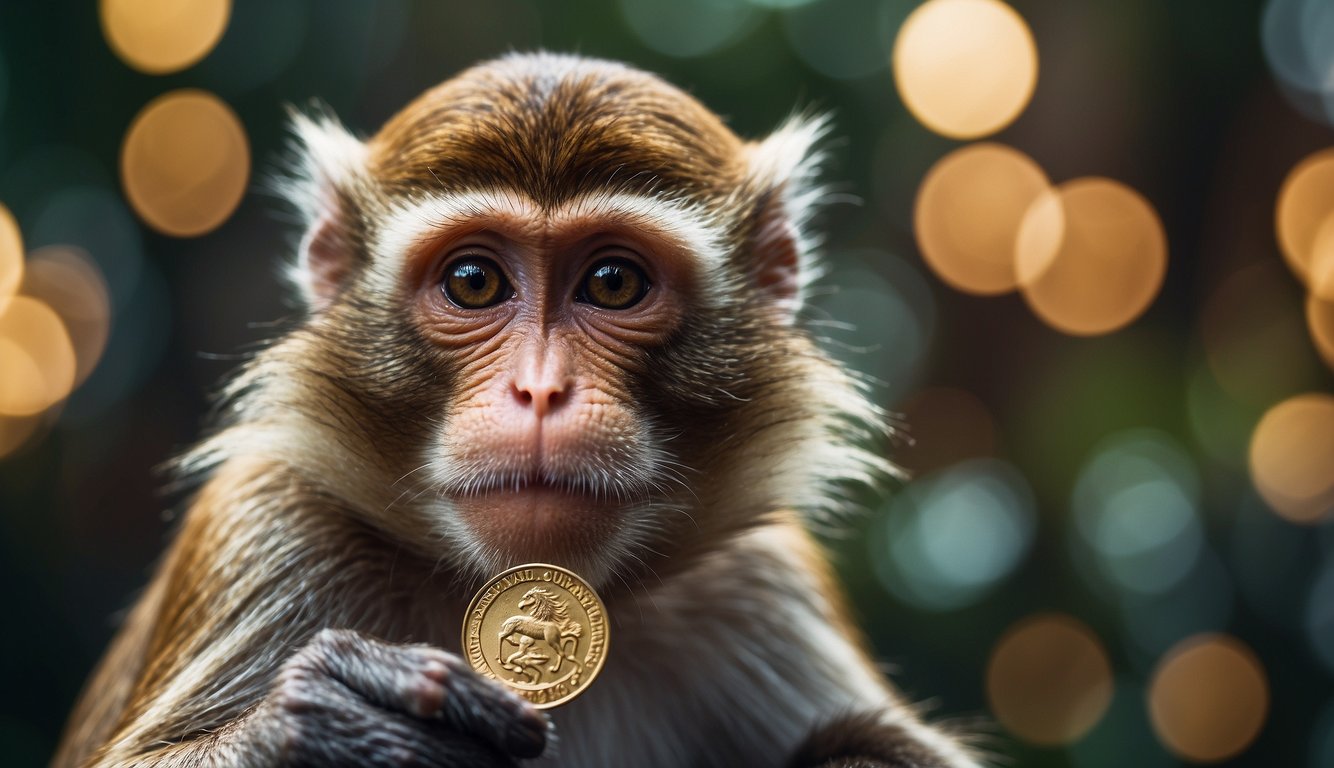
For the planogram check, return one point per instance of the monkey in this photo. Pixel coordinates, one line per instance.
(551, 313)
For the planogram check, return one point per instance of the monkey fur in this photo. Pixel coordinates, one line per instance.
(380, 461)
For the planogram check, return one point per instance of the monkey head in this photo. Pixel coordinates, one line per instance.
(552, 316)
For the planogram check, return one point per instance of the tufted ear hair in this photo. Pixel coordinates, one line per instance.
(783, 172)
(327, 172)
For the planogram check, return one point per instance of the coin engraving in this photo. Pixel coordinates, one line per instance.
(540, 629)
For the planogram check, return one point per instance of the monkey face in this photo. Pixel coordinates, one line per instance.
(547, 317)
(553, 318)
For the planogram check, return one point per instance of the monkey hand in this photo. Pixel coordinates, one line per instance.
(346, 699)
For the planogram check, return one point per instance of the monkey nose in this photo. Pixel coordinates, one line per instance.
(542, 396)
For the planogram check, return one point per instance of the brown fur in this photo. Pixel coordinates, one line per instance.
(732, 642)
(863, 741)
(552, 127)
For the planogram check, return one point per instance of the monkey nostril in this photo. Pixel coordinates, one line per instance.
(541, 399)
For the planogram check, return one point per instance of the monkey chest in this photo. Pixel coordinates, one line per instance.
(743, 694)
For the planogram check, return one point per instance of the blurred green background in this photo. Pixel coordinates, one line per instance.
(1104, 478)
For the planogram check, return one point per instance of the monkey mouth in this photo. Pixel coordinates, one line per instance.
(600, 485)
(533, 482)
(580, 510)
(537, 517)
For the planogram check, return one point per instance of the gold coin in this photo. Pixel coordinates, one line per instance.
(539, 629)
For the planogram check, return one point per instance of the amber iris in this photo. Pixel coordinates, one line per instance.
(614, 284)
(474, 283)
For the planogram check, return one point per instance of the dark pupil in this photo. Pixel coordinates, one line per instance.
(475, 276)
(612, 279)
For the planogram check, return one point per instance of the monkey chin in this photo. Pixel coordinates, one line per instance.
(538, 522)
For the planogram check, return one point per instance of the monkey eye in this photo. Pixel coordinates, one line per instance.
(613, 283)
(474, 282)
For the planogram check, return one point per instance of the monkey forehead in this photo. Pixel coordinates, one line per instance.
(554, 127)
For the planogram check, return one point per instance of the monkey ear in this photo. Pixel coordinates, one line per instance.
(783, 170)
(329, 166)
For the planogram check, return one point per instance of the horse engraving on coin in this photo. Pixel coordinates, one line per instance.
(540, 629)
(548, 620)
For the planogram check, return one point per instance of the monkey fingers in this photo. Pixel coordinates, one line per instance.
(347, 699)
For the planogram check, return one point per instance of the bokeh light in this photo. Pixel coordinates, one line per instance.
(1049, 680)
(965, 68)
(11, 256)
(185, 163)
(36, 356)
(1040, 234)
(1208, 698)
(1292, 457)
(968, 214)
(1108, 262)
(163, 36)
(944, 426)
(1320, 323)
(1305, 203)
(1136, 507)
(1297, 37)
(1320, 266)
(67, 280)
(96, 219)
(687, 28)
(948, 539)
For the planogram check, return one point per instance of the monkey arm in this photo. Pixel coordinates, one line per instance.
(132, 682)
(229, 660)
(884, 735)
(867, 740)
